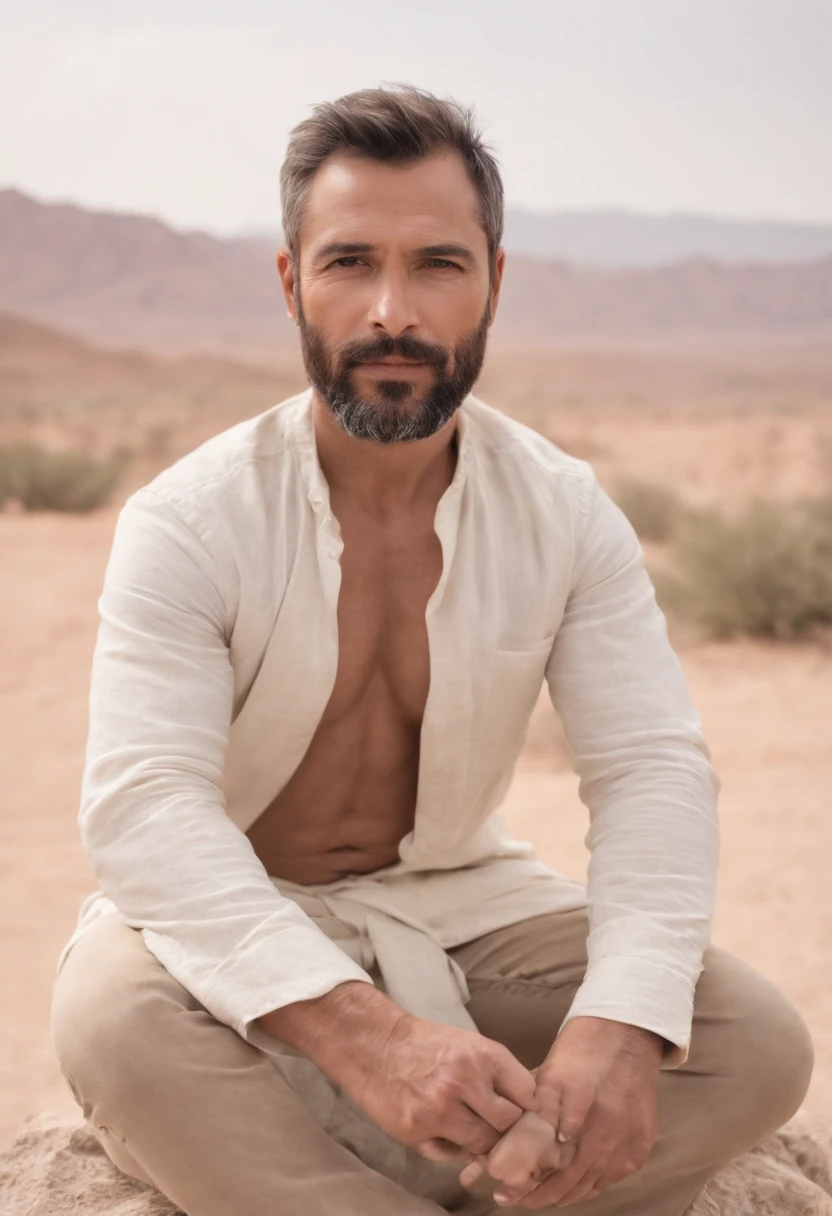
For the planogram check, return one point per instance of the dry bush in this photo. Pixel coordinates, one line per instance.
(654, 510)
(42, 479)
(767, 572)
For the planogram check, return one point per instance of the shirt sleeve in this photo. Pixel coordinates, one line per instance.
(153, 816)
(647, 780)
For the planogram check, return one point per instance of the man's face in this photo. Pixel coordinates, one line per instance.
(392, 293)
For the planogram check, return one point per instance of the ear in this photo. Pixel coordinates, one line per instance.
(496, 281)
(286, 270)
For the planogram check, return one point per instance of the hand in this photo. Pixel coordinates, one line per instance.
(598, 1091)
(445, 1091)
(527, 1153)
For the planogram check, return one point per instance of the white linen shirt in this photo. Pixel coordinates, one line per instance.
(216, 656)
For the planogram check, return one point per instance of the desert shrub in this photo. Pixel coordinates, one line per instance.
(42, 479)
(654, 510)
(766, 572)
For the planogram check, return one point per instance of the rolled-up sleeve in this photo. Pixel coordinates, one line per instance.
(153, 817)
(648, 782)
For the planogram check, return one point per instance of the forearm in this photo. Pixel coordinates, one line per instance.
(651, 891)
(336, 1030)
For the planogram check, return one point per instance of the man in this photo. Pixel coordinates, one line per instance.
(321, 976)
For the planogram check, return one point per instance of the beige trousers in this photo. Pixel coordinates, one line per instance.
(181, 1101)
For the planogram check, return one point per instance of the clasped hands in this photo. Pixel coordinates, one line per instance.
(589, 1121)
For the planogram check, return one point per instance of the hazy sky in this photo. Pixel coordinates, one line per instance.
(182, 107)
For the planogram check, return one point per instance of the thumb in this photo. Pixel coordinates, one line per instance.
(512, 1079)
(575, 1105)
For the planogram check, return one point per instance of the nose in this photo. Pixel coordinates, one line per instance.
(392, 308)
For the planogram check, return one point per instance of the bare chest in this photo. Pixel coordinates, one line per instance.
(353, 796)
(388, 574)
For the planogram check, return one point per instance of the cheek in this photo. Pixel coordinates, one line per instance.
(456, 317)
(335, 307)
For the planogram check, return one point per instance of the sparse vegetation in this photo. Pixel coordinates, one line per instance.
(44, 479)
(654, 510)
(766, 572)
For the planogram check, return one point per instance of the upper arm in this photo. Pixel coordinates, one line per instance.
(162, 683)
(612, 673)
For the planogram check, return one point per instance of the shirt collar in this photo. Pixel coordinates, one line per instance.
(317, 487)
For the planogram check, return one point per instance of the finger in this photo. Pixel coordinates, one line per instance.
(512, 1079)
(560, 1156)
(575, 1104)
(464, 1134)
(561, 1182)
(499, 1112)
(518, 1159)
(467, 1130)
(437, 1149)
(505, 1194)
(548, 1100)
(472, 1173)
(588, 1188)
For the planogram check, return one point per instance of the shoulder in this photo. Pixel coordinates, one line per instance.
(231, 455)
(231, 473)
(515, 455)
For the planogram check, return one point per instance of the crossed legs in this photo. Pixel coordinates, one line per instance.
(181, 1101)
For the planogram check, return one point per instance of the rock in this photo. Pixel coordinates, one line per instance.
(56, 1166)
(787, 1174)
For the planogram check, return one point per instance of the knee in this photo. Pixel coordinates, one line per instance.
(107, 1026)
(762, 1043)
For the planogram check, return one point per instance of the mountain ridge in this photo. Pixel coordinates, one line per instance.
(132, 279)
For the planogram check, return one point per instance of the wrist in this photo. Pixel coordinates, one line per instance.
(586, 1032)
(339, 1029)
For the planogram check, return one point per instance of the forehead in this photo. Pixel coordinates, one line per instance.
(357, 198)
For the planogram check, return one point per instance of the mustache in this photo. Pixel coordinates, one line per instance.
(403, 347)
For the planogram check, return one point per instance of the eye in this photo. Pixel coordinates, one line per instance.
(346, 261)
(443, 263)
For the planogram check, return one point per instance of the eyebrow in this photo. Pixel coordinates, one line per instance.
(343, 249)
(448, 251)
(349, 248)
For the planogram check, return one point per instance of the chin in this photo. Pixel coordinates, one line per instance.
(396, 392)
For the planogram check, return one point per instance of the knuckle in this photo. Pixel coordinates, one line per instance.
(482, 1140)
(444, 1089)
(548, 1088)
(504, 1115)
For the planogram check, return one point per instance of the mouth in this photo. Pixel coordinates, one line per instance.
(391, 365)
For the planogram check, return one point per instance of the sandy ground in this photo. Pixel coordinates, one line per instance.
(766, 712)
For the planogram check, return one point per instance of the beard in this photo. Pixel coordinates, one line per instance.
(397, 412)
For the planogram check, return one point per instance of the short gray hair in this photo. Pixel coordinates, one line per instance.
(395, 125)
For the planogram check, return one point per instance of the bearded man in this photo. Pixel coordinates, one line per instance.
(321, 975)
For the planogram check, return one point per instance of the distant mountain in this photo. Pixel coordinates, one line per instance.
(546, 302)
(125, 279)
(631, 238)
(131, 278)
(618, 238)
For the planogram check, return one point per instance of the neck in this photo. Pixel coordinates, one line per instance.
(383, 477)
